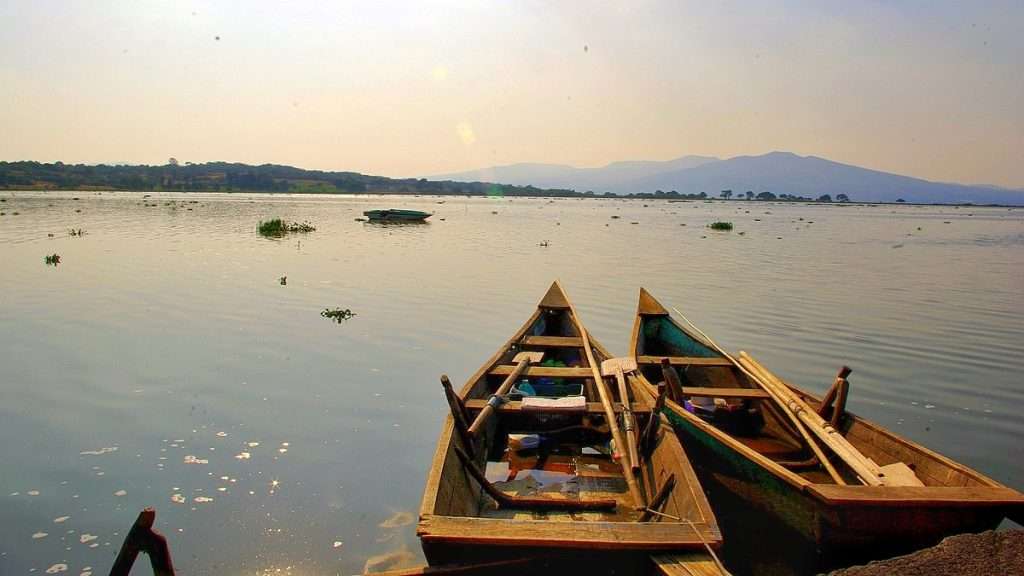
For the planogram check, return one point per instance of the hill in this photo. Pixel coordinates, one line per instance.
(781, 173)
(615, 177)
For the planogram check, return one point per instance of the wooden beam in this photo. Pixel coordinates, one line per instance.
(545, 371)
(725, 392)
(923, 496)
(684, 360)
(688, 564)
(515, 406)
(553, 341)
(547, 534)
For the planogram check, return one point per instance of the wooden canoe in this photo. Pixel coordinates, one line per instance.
(461, 524)
(762, 468)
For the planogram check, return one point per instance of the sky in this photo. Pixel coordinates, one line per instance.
(924, 88)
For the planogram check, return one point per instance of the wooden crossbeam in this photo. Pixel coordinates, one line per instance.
(684, 360)
(553, 341)
(516, 406)
(545, 371)
(725, 392)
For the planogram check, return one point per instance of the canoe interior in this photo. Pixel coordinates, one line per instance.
(558, 455)
(657, 334)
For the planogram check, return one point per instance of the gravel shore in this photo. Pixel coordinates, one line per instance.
(988, 553)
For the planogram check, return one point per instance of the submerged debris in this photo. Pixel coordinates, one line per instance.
(337, 314)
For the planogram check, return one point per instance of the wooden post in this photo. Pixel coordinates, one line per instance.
(830, 396)
(459, 413)
(143, 538)
(675, 387)
(651, 429)
(840, 407)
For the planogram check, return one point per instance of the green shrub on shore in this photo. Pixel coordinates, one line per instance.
(726, 226)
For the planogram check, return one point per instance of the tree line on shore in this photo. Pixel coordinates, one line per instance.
(233, 177)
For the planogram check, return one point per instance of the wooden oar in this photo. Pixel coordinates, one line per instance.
(867, 470)
(522, 359)
(792, 417)
(618, 367)
(609, 413)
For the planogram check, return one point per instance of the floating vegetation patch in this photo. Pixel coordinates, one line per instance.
(100, 452)
(339, 315)
(76, 232)
(725, 226)
(278, 227)
(52, 260)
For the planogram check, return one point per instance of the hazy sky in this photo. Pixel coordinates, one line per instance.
(930, 89)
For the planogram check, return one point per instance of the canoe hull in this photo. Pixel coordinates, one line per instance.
(802, 514)
(818, 533)
(461, 519)
(396, 215)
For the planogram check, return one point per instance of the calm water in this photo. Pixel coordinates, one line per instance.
(161, 363)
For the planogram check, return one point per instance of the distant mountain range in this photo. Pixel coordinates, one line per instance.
(775, 172)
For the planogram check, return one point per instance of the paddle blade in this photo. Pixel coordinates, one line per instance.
(627, 364)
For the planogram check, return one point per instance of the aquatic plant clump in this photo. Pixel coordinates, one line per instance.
(278, 227)
(726, 226)
(52, 260)
(339, 315)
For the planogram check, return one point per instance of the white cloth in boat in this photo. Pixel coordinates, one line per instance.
(565, 403)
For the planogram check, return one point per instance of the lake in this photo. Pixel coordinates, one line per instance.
(163, 363)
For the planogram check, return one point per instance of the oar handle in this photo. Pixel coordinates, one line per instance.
(490, 409)
(628, 420)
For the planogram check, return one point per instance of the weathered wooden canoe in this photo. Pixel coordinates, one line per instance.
(460, 523)
(393, 215)
(770, 468)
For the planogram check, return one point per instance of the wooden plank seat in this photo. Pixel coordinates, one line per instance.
(514, 406)
(545, 371)
(746, 393)
(684, 361)
(553, 341)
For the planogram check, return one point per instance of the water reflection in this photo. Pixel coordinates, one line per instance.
(164, 359)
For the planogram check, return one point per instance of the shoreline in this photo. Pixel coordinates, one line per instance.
(578, 196)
